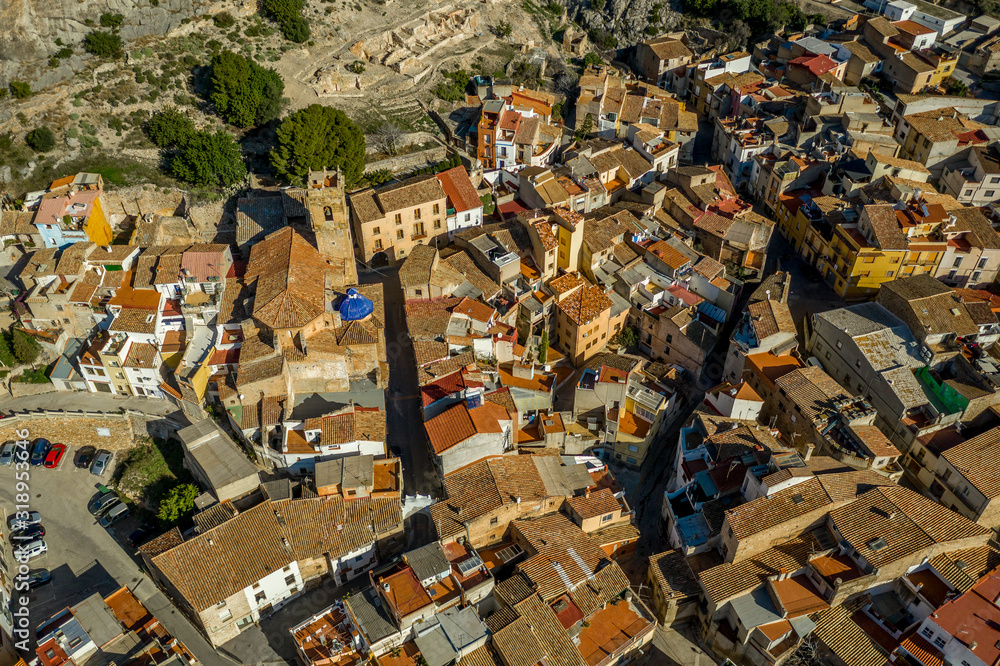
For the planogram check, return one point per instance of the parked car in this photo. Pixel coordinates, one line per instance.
(29, 533)
(85, 456)
(101, 502)
(39, 577)
(101, 462)
(38, 451)
(141, 535)
(30, 550)
(7, 453)
(55, 455)
(33, 518)
(114, 514)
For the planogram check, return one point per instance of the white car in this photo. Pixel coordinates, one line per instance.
(29, 551)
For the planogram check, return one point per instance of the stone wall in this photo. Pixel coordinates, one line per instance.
(72, 429)
(403, 163)
(19, 389)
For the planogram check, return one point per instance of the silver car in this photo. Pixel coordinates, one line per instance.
(7, 453)
(101, 462)
(114, 514)
(31, 550)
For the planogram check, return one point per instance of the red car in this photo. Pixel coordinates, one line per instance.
(54, 456)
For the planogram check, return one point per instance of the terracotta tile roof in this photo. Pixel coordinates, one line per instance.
(729, 580)
(464, 264)
(963, 568)
(669, 49)
(860, 51)
(437, 369)
(556, 539)
(428, 351)
(839, 633)
(764, 513)
(942, 124)
(925, 653)
(162, 543)
(518, 645)
(565, 283)
(446, 386)
(585, 304)
(484, 487)
(770, 317)
(481, 656)
(812, 390)
(976, 459)
(428, 319)
(875, 441)
(476, 310)
(674, 576)
(204, 262)
(885, 227)
(135, 320)
(16, 223)
(891, 523)
(141, 355)
(458, 187)
(597, 504)
(458, 423)
(291, 280)
(668, 254)
(255, 371)
(361, 424)
(409, 193)
(214, 565)
(502, 397)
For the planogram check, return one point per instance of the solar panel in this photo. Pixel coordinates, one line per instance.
(468, 566)
(509, 553)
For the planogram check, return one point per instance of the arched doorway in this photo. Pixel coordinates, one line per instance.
(379, 260)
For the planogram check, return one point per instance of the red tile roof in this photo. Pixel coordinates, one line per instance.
(459, 423)
(445, 386)
(461, 194)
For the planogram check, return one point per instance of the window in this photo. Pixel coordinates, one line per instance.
(259, 597)
(976, 276)
(981, 264)
(376, 231)
(869, 260)
(226, 615)
(378, 244)
(990, 193)
(437, 224)
(958, 262)
(399, 234)
(399, 219)
(840, 345)
(290, 580)
(633, 448)
(940, 642)
(59, 308)
(888, 273)
(606, 517)
(256, 585)
(670, 338)
(666, 350)
(493, 521)
(416, 214)
(420, 292)
(437, 209)
(630, 461)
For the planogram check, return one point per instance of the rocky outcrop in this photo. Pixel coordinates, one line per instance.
(31, 27)
(625, 20)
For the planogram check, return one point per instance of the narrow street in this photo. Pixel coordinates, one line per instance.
(403, 401)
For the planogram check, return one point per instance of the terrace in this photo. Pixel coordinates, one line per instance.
(327, 639)
(613, 631)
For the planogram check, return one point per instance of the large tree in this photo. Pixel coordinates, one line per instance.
(318, 137)
(210, 159)
(169, 128)
(245, 94)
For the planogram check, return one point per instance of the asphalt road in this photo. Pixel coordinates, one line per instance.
(404, 421)
(85, 558)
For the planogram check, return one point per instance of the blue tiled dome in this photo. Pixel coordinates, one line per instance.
(354, 306)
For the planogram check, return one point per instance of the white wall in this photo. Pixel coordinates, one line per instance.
(276, 590)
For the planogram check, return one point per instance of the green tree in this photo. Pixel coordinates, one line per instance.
(627, 337)
(178, 504)
(6, 355)
(20, 89)
(169, 128)
(210, 159)
(41, 139)
(244, 93)
(103, 44)
(318, 137)
(113, 21)
(543, 347)
(956, 87)
(502, 29)
(282, 10)
(296, 29)
(592, 59)
(25, 347)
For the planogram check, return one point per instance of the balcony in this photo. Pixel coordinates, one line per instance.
(418, 236)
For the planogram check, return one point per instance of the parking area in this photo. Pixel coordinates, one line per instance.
(85, 558)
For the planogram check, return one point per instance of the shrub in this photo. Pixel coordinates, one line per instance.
(244, 93)
(178, 504)
(25, 347)
(113, 21)
(169, 128)
(64, 52)
(296, 29)
(318, 137)
(592, 59)
(20, 89)
(357, 67)
(41, 139)
(210, 159)
(223, 20)
(103, 44)
(502, 29)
